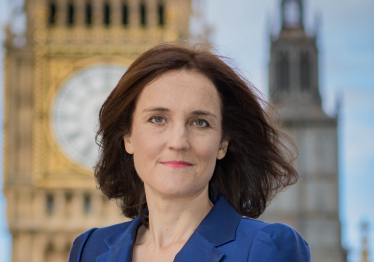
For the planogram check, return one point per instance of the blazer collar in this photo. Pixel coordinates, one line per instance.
(217, 228)
(120, 244)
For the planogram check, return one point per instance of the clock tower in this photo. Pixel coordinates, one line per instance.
(312, 205)
(57, 75)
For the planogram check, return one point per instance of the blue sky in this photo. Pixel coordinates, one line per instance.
(346, 45)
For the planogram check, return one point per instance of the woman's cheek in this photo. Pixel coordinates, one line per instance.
(207, 152)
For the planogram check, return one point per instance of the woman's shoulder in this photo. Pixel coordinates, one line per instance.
(274, 242)
(273, 230)
(91, 243)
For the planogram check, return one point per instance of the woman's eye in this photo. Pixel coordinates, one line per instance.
(157, 120)
(201, 123)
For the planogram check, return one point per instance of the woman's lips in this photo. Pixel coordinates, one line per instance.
(176, 164)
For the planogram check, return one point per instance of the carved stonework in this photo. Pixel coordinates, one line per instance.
(50, 198)
(312, 205)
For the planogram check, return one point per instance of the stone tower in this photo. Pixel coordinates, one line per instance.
(365, 248)
(56, 77)
(312, 205)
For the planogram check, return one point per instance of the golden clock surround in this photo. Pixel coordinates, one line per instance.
(51, 101)
(50, 54)
(57, 167)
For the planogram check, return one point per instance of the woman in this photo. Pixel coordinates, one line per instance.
(188, 149)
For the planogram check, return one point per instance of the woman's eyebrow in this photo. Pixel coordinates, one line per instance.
(156, 109)
(202, 113)
(193, 113)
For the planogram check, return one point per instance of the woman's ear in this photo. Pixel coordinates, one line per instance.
(222, 149)
(128, 145)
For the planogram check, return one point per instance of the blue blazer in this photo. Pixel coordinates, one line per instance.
(223, 236)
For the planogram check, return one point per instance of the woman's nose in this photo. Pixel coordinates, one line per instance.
(178, 138)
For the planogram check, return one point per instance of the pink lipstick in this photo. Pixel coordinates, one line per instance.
(176, 164)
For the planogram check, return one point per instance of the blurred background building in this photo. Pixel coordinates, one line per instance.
(58, 74)
(312, 205)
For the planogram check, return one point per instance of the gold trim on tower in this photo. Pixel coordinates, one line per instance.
(61, 51)
(60, 72)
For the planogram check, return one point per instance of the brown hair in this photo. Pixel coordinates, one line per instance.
(258, 163)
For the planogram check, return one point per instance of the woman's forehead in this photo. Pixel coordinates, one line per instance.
(180, 90)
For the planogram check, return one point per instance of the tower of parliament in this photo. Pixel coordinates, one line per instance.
(312, 205)
(75, 52)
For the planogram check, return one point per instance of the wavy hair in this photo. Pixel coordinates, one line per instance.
(258, 162)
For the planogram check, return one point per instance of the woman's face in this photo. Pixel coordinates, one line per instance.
(176, 134)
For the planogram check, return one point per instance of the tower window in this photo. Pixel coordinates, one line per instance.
(143, 14)
(106, 15)
(52, 13)
(50, 204)
(87, 204)
(125, 13)
(68, 197)
(88, 13)
(161, 14)
(283, 71)
(305, 71)
(70, 13)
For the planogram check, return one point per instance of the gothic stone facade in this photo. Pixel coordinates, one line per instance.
(312, 205)
(51, 194)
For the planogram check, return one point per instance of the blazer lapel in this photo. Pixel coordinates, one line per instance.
(198, 249)
(217, 228)
(120, 244)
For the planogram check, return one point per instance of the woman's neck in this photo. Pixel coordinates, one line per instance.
(173, 220)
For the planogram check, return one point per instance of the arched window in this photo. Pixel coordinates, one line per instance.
(68, 197)
(68, 204)
(88, 13)
(70, 13)
(305, 71)
(106, 15)
(87, 204)
(125, 13)
(52, 12)
(49, 204)
(283, 71)
(143, 14)
(161, 13)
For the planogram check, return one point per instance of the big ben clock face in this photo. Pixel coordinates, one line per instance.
(75, 111)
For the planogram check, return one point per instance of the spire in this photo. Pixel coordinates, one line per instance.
(292, 14)
(364, 252)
